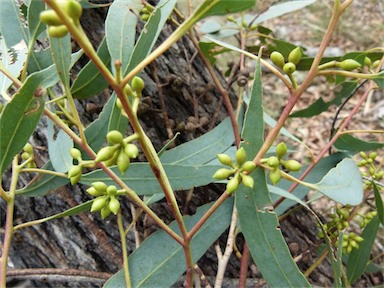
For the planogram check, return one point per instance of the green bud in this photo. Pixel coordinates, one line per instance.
(131, 150)
(375, 64)
(249, 166)
(275, 175)
(231, 19)
(144, 17)
(348, 64)
(241, 156)
(367, 61)
(295, 56)
(379, 175)
(232, 185)
(105, 212)
(289, 68)
(277, 59)
(291, 165)
(105, 153)
(123, 162)
(75, 153)
(113, 160)
(99, 203)
(354, 244)
(74, 9)
(74, 171)
(114, 137)
(111, 190)
(25, 156)
(359, 239)
(363, 155)
(225, 159)
(372, 170)
(118, 104)
(281, 150)
(75, 179)
(50, 18)
(247, 180)
(101, 187)
(128, 91)
(137, 84)
(223, 173)
(93, 192)
(373, 155)
(114, 205)
(57, 31)
(145, 10)
(28, 148)
(273, 161)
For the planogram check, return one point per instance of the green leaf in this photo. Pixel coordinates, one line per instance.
(120, 30)
(116, 120)
(379, 203)
(260, 226)
(210, 26)
(140, 178)
(90, 81)
(347, 142)
(40, 60)
(13, 61)
(61, 54)
(160, 261)
(203, 149)
(358, 258)
(151, 32)
(280, 9)
(221, 7)
(347, 89)
(58, 148)
(21, 115)
(11, 26)
(43, 184)
(342, 184)
(379, 79)
(35, 26)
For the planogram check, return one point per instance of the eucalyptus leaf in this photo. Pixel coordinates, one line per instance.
(90, 81)
(379, 203)
(342, 184)
(61, 54)
(160, 261)
(21, 115)
(221, 7)
(358, 258)
(347, 142)
(11, 25)
(35, 26)
(259, 225)
(58, 148)
(116, 120)
(140, 178)
(379, 79)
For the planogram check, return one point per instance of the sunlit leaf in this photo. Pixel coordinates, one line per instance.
(347, 142)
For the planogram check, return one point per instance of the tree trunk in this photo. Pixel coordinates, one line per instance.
(85, 242)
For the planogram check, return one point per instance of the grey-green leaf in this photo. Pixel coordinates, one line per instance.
(221, 7)
(159, 261)
(58, 148)
(35, 26)
(343, 183)
(61, 54)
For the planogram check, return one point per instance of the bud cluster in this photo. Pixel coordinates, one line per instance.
(106, 199)
(119, 152)
(350, 241)
(28, 155)
(275, 161)
(239, 171)
(56, 27)
(289, 67)
(371, 171)
(146, 12)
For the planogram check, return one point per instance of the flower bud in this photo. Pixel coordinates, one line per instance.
(277, 59)
(93, 192)
(281, 150)
(291, 165)
(375, 64)
(241, 156)
(57, 31)
(247, 180)
(74, 171)
(111, 190)
(348, 64)
(74, 9)
(114, 205)
(75, 179)
(50, 18)
(367, 61)
(114, 137)
(249, 166)
(144, 17)
(128, 91)
(373, 155)
(295, 56)
(275, 175)
(273, 161)
(131, 150)
(223, 173)
(112, 161)
(137, 84)
(99, 203)
(122, 162)
(100, 187)
(75, 153)
(232, 185)
(289, 68)
(224, 159)
(105, 153)
(25, 156)
(105, 212)
(28, 148)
